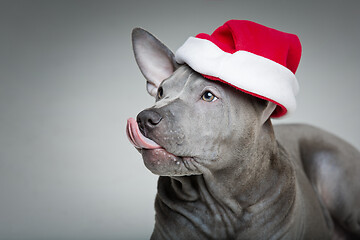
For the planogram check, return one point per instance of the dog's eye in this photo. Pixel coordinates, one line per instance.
(208, 96)
(160, 93)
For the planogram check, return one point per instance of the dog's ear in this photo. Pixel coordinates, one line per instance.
(264, 107)
(269, 109)
(154, 59)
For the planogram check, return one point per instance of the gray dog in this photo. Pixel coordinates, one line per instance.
(226, 172)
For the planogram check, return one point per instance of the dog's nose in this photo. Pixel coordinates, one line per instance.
(147, 120)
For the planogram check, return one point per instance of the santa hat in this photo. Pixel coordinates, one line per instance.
(253, 58)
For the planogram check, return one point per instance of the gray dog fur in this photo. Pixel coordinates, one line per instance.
(227, 173)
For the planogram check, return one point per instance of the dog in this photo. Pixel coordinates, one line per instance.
(226, 172)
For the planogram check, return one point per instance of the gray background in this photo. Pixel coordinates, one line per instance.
(68, 82)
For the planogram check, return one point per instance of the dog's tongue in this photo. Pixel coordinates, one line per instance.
(136, 137)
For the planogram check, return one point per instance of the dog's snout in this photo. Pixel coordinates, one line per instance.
(148, 120)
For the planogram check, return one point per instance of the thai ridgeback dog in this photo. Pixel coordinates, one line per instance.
(226, 172)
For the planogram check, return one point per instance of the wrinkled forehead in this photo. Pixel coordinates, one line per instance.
(186, 78)
(178, 79)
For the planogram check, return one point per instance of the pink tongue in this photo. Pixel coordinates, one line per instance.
(136, 138)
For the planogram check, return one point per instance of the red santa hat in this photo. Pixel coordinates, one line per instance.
(253, 58)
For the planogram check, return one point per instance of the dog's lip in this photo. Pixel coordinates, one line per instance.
(137, 138)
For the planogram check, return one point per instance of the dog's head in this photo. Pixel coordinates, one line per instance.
(196, 124)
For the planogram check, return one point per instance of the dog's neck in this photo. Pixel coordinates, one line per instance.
(260, 167)
(232, 201)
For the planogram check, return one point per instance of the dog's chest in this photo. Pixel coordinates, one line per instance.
(181, 212)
